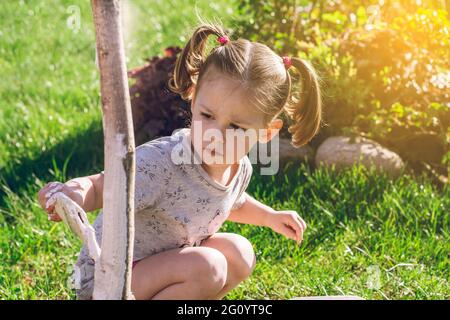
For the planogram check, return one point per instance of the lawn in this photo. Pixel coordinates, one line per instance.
(367, 235)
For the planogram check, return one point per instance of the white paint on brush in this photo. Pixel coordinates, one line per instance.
(57, 186)
(75, 217)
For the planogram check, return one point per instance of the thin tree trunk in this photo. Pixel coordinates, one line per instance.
(113, 272)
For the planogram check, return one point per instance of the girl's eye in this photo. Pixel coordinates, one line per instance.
(205, 115)
(237, 127)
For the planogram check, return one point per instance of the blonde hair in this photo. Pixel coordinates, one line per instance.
(262, 74)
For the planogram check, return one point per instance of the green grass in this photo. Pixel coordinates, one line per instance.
(360, 223)
(367, 235)
(361, 226)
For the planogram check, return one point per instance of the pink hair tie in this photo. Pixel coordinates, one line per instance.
(223, 40)
(287, 62)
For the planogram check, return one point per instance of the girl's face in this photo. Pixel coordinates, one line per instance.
(219, 111)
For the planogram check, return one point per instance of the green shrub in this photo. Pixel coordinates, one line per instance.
(384, 68)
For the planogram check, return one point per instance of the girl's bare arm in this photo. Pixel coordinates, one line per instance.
(251, 212)
(87, 192)
(90, 189)
(97, 182)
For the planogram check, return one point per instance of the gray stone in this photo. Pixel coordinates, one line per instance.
(341, 152)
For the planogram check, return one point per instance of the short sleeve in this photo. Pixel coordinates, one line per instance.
(240, 200)
(150, 175)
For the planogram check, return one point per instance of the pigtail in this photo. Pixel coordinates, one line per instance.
(307, 112)
(189, 63)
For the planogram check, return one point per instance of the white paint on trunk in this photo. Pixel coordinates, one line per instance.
(121, 147)
(114, 226)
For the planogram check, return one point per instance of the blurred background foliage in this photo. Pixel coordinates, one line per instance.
(384, 67)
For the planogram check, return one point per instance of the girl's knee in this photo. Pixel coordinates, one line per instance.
(245, 256)
(209, 268)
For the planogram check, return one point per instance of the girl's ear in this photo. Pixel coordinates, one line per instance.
(272, 130)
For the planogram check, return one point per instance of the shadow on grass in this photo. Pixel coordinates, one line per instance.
(76, 155)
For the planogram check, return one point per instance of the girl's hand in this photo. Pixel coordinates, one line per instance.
(287, 223)
(48, 203)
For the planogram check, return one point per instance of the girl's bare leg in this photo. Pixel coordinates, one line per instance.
(181, 273)
(240, 257)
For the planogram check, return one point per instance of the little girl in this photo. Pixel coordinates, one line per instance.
(181, 205)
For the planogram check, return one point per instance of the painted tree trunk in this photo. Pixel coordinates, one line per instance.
(113, 272)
